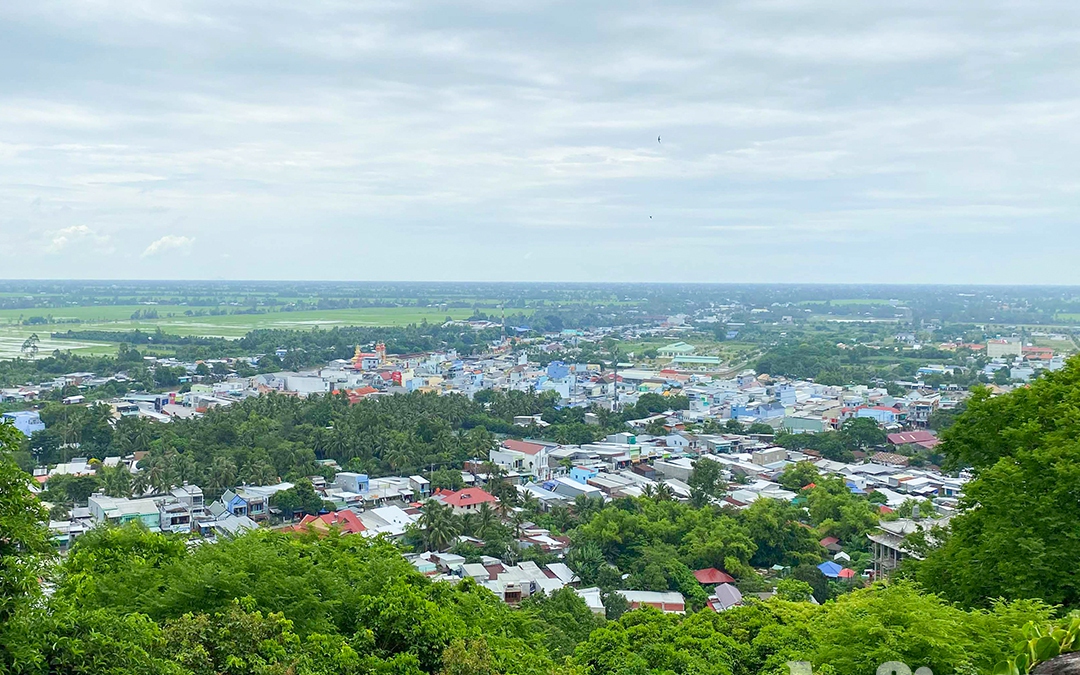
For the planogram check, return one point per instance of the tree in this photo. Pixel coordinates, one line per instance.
(1020, 519)
(861, 433)
(446, 479)
(706, 482)
(439, 525)
(799, 475)
(487, 520)
(794, 590)
(30, 345)
(116, 480)
(24, 537)
(300, 498)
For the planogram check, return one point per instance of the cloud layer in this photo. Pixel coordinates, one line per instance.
(802, 141)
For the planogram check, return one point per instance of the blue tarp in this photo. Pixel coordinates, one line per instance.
(830, 569)
(855, 489)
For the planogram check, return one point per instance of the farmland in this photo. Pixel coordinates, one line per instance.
(14, 328)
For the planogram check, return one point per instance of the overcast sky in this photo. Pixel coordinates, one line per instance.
(846, 141)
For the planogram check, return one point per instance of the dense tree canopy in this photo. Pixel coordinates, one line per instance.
(1020, 525)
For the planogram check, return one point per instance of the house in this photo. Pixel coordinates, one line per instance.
(118, 511)
(668, 602)
(831, 544)
(676, 349)
(724, 597)
(919, 438)
(879, 413)
(465, 501)
(889, 459)
(251, 500)
(593, 599)
(352, 482)
(344, 521)
(570, 489)
(523, 456)
(711, 576)
(26, 421)
(582, 474)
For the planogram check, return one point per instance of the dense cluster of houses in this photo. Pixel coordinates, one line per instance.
(652, 453)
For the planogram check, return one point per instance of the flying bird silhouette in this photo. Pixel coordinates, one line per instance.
(657, 139)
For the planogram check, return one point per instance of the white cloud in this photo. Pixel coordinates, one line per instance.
(168, 243)
(76, 234)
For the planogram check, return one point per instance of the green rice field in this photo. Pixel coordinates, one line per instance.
(171, 319)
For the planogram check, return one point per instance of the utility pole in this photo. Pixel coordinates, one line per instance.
(615, 378)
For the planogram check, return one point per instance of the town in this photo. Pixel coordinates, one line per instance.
(755, 433)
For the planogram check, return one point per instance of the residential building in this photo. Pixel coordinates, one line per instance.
(26, 421)
(465, 501)
(668, 602)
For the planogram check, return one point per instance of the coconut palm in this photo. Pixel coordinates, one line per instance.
(117, 481)
(664, 493)
(530, 503)
(439, 524)
(486, 521)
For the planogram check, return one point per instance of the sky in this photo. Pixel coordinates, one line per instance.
(826, 141)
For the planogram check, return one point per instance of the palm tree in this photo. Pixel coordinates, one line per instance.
(141, 483)
(649, 491)
(530, 504)
(485, 522)
(468, 524)
(517, 519)
(261, 473)
(222, 474)
(439, 524)
(664, 493)
(586, 560)
(117, 481)
(158, 476)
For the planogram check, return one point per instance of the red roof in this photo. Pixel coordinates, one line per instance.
(466, 497)
(829, 541)
(846, 573)
(346, 521)
(809, 486)
(355, 395)
(522, 446)
(712, 576)
(923, 438)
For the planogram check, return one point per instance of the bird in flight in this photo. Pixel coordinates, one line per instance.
(657, 139)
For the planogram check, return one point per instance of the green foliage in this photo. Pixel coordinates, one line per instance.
(799, 476)
(647, 641)
(300, 498)
(706, 482)
(1020, 520)
(1042, 643)
(866, 628)
(23, 538)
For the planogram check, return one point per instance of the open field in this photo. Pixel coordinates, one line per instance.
(171, 319)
